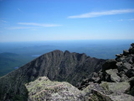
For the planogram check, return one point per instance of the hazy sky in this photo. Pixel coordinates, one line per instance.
(40, 20)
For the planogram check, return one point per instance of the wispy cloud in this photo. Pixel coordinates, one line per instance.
(32, 26)
(19, 10)
(121, 20)
(131, 19)
(39, 24)
(3, 21)
(19, 27)
(96, 14)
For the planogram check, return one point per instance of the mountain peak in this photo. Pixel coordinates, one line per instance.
(56, 65)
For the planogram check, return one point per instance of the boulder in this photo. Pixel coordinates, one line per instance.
(116, 88)
(122, 97)
(132, 45)
(123, 66)
(125, 52)
(118, 55)
(119, 64)
(127, 65)
(131, 81)
(92, 86)
(95, 77)
(130, 73)
(42, 89)
(109, 64)
(131, 50)
(107, 91)
(113, 75)
(99, 96)
(123, 76)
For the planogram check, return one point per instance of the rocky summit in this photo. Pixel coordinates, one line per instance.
(115, 81)
(65, 76)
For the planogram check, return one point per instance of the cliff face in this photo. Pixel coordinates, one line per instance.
(56, 65)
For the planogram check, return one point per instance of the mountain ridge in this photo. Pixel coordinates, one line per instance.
(56, 65)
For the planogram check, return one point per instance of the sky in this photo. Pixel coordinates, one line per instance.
(41, 20)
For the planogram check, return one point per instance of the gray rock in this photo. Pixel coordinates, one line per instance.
(109, 64)
(131, 81)
(42, 89)
(132, 45)
(122, 97)
(123, 77)
(107, 91)
(118, 55)
(127, 65)
(119, 64)
(113, 75)
(125, 52)
(116, 88)
(91, 87)
(131, 50)
(123, 66)
(99, 96)
(133, 59)
(130, 73)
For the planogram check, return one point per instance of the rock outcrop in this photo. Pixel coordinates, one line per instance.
(115, 81)
(42, 89)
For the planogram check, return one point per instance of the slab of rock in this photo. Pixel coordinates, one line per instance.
(122, 97)
(43, 89)
(108, 92)
(99, 96)
(113, 75)
(116, 88)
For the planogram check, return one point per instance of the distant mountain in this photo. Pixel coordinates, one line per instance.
(9, 62)
(7, 54)
(56, 65)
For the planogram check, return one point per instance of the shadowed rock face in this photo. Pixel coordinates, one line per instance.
(62, 66)
(56, 65)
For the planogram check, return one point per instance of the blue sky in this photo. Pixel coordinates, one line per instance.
(41, 20)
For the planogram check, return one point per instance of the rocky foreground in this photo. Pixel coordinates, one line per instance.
(93, 79)
(115, 81)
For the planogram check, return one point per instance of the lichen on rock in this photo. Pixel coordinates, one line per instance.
(44, 89)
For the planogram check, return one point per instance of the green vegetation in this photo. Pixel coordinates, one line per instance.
(11, 61)
(18, 98)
